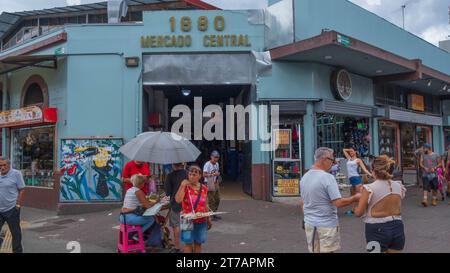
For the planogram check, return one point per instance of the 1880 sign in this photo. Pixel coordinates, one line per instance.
(202, 24)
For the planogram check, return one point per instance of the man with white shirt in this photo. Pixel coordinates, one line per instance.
(320, 200)
(211, 174)
(11, 194)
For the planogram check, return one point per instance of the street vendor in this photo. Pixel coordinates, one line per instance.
(192, 195)
(136, 167)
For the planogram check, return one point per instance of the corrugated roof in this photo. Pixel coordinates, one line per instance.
(8, 21)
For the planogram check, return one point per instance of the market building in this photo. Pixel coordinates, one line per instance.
(75, 88)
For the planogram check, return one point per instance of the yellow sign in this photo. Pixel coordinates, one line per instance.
(417, 103)
(282, 137)
(288, 186)
(211, 40)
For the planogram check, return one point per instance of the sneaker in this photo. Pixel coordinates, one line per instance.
(349, 213)
(217, 217)
(434, 202)
(425, 203)
(176, 250)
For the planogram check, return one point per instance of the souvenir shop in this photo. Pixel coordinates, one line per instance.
(287, 163)
(407, 125)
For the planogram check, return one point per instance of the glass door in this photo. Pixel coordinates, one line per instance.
(389, 140)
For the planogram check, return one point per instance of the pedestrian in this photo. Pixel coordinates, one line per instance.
(12, 188)
(429, 162)
(211, 174)
(192, 195)
(134, 205)
(355, 179)
(136, 167)
(172, 184)
(446, 166)
(320, 200)
(381, 204)
(418, 155)
(441, 179)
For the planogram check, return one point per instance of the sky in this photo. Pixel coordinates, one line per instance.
(428, 19)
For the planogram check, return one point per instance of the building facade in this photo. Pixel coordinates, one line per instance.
(76, 89)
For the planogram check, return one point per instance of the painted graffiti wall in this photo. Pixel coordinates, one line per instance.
(91, 170)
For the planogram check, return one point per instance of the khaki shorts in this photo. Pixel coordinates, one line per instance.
(323, 240)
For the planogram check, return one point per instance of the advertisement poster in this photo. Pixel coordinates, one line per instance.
(287, 177)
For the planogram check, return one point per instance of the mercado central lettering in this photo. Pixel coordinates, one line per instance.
(208, 40)
(186, 41)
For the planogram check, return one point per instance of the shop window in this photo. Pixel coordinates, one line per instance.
(407, 133)
(338, 132)
(33, 154)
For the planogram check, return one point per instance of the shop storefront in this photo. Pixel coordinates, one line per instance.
(33, 152)
(106, 93)
(407, 125)
(287, 163)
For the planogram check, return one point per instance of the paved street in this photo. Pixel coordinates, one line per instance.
(251, 227)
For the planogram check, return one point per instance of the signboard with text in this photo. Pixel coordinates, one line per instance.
(27, 116)
(200, 30)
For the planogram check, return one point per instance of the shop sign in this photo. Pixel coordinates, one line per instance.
(215, 39)
(287, 187)
(417, 103)
(343, 40)
(286, 178)
(27, 116)
(341, 84)
(282, 137)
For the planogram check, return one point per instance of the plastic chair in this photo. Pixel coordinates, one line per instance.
(127, 245)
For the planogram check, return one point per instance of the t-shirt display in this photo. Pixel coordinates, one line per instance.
(338, 132)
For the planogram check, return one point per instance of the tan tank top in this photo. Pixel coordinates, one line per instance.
(379, 190)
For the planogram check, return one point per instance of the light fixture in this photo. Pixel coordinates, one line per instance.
(445, 87)
(379, 71)
(328, 57)
(132, 61)
(429, 83)
(185, 92)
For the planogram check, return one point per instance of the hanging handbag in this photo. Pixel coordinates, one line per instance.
(188, 224)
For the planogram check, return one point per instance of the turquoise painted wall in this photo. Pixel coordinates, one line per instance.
(347, 18)
(309, 81)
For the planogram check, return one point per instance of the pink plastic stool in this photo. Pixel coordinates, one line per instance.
(126, 245)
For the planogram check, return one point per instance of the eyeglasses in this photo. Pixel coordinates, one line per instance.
(332, 159)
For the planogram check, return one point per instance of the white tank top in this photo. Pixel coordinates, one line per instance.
(131, 201)
(352, 168)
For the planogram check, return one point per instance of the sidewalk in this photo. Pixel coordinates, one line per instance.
(250, 227)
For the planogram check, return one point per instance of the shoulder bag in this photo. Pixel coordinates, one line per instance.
(188, 224)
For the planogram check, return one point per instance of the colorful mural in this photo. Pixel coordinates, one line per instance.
(91, 170)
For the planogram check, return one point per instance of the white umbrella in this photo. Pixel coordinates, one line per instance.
(160, 148)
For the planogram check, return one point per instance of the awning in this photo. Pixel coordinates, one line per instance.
(291, 107)
(13, 63)
(345, 109)
(395, 114)
(338, 50)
